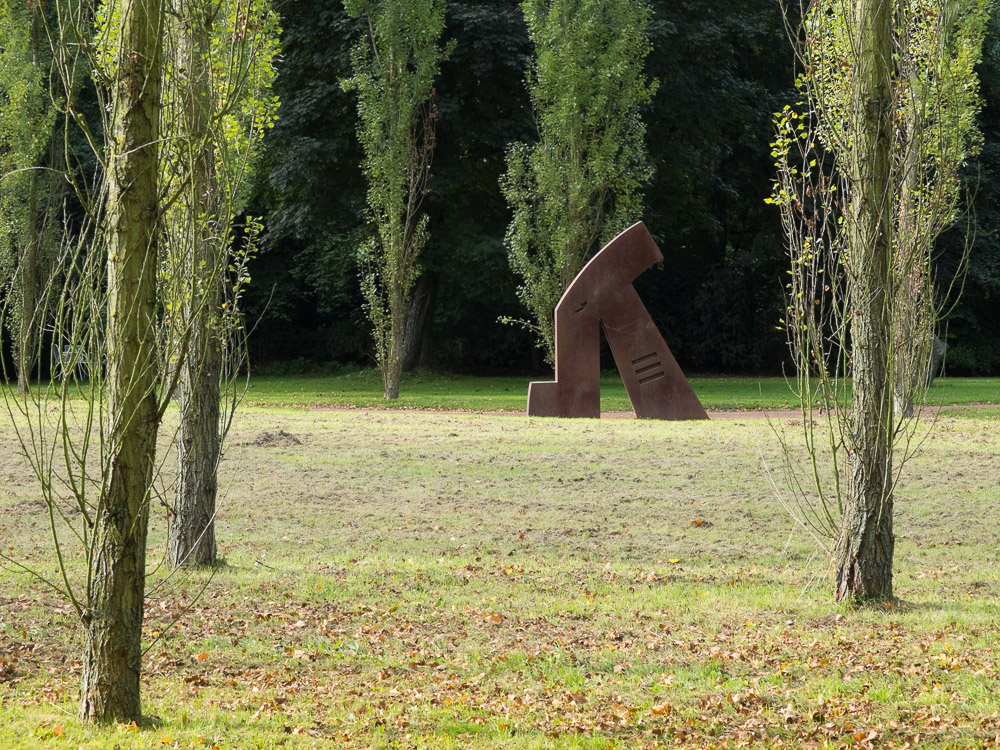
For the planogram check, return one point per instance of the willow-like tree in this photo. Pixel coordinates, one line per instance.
(868, 177)
(92, 441)
(27, 121)
(95, 455)
(218, 107)
(112, 655)
(395, 65)
(581, 183)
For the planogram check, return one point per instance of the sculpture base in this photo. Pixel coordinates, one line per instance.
(550, 399)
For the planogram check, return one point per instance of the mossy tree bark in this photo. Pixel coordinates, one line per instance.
(116, 589)
(192, 528)
(864, 549)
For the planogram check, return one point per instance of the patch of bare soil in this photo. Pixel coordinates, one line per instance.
(780, 414)
(279, 439)
(776, 414)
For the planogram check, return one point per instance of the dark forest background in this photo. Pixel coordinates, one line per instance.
(724, 67)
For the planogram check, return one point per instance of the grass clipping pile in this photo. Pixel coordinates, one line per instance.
(279, 439)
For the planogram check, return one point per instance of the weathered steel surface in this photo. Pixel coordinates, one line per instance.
(602, 294)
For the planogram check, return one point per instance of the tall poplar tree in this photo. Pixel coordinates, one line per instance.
(868, 177)
(27, 121)
(395, 66)
(864, 551)
(581, 183)
(112, 656)
(198, 236)
(219, 105)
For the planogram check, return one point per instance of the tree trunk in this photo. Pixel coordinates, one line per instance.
(418, 318)
(27, 276)
(392, 364)
(192, 528)
(864, 549)
(392, 368)
(912, 314)
(913, 324)
(113, 620)
(938, 349)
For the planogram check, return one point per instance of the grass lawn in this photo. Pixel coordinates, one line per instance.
(441, 580)
(363, 389)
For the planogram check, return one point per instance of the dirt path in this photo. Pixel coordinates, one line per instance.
(729, 414)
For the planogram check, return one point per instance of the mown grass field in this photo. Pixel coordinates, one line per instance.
(442, 580)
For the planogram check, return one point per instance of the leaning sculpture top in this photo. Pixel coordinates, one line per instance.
(602, 294)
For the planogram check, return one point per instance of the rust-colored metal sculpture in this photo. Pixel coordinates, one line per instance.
(602, 294)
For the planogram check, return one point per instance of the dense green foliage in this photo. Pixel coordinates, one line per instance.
(28, 192)
(395, 65)
(973, 324)
(708, 128)
(581, 183)
(721, 69)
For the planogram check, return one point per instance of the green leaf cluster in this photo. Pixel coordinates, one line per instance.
(27, 118)
(395, 66)
(581, 183)
(937, 46)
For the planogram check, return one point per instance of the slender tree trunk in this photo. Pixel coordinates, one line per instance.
(913, 324)
(27, 276)
(915, 316)
(392, 367)
(864, 550)
(910, 323)
(113, 621)
(192, 528)
(418, 317)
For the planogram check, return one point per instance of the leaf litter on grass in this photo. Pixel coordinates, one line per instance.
(463, 581)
